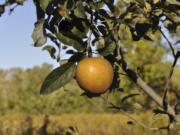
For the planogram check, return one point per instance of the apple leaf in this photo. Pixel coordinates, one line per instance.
(58, 78)
(39, 35)
(108, 49)
(79, 11)
(51, 50)
(44, 4)
(70, 39)
(69, 4)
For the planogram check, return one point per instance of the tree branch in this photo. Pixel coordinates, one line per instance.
(151, 93)
(166, 88)
(139, 82)
(169, 43)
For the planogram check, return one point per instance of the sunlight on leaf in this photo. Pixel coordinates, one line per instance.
(38, 34)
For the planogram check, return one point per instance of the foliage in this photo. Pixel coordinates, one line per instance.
(20, 93)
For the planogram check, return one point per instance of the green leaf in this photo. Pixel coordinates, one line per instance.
(51, 50)
(96, 5)
(141, 3)
(40, 13)
(77, 57)
(79, 10)
(104, 13)
(38, 34)
(110, 4)
(58, 78)
(44, 4)
(142, 28)
(102, 29)
(80, 27)
(69, 4)
(108, 49)
(83, 34)
(71, 40)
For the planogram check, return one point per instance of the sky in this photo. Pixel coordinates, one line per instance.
(16, 48)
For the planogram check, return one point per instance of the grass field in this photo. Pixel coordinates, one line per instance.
(82, 124)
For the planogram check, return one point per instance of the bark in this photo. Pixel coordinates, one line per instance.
(151, 93)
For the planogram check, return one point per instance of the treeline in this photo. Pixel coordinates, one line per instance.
(19, 92)
(19, 88)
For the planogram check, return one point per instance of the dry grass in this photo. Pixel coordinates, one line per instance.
(80, 124)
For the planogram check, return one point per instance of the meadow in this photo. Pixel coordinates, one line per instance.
(83, 124)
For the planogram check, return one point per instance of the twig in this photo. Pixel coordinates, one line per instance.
(169, 43)
(89, 51)
(54, 40)
(7, 3)
(13, 8)
(166, 88)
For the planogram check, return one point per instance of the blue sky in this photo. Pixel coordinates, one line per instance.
(16, 48)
